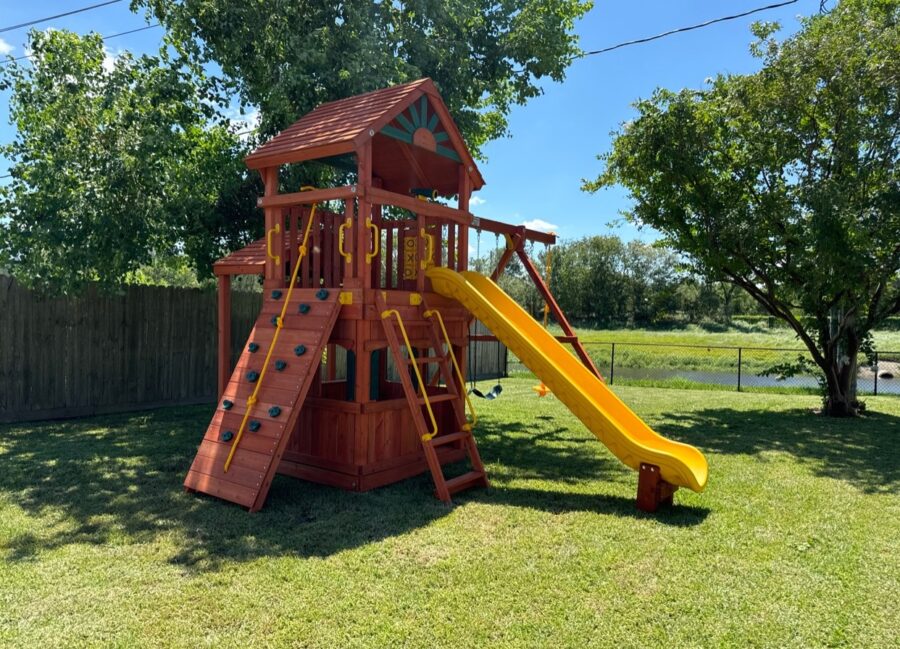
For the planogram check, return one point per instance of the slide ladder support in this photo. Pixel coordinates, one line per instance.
(421, 402)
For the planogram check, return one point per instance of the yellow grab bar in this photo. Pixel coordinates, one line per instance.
(346, 255)
(459, 374)
(275, 230)
(279, 323)
(428, 261)
(434, 427)
(376, 241)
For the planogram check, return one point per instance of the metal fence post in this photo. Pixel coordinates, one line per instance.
(876, 374)
(612, 364)
(739, 368)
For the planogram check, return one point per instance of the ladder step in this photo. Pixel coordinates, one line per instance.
(465, 481)
(449, 439)
(438, 398)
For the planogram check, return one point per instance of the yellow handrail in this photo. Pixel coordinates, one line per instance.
(434, 427)
(376, 241)
(428, 261)
(279, 323)
(346, 255)
(459, 374)
(269, 234)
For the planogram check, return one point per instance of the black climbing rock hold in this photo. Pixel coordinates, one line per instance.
(227, 435)
(304, 309)
(226, 404)
(280, 365)
(252, 375)
(274, 411)
(274, 320)
(322, 293)
(276, 294)
(300, 350)
(253, 348)
(253, 426)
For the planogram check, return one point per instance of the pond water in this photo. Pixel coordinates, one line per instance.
(865, 383)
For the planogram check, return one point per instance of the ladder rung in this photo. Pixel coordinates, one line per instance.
(449, 439)
(438, 398)
(464, 481)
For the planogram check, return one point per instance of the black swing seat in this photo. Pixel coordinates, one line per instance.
(495, 392)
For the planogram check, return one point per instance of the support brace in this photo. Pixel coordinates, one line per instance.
(652, 490)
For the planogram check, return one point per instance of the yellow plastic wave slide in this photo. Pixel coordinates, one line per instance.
(605, 415)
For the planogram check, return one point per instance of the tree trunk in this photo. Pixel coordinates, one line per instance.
(840, 383)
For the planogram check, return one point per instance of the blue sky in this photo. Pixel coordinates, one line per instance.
(535, 174)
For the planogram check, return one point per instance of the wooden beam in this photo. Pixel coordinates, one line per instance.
(274, 271)
(557, 312)
(517, 240)
(306, 198)
(426, 208)
(506, 228)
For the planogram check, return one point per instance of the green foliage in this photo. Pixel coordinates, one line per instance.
(288, 57)
(114, 167)
(785, 182)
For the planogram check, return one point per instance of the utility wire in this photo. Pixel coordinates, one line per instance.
(103, 38)
(679, 30)
(68, 13)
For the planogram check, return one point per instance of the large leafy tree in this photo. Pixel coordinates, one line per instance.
(288, 57)
(116, 164)
(785, 182)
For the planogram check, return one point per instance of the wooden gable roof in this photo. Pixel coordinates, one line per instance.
(410, 123)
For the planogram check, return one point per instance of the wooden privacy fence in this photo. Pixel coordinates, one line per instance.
(143, 347)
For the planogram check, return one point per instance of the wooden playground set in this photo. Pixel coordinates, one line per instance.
(354, 373)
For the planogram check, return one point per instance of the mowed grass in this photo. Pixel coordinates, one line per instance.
(795, 542)
(742, 336)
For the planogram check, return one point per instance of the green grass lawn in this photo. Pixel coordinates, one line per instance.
(796, 541)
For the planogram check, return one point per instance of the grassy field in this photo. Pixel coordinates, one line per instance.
(796, 541)
(693, 349)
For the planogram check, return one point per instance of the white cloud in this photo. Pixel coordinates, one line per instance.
(475, 201)
(5, 48)
(540, 225)
(245, 122)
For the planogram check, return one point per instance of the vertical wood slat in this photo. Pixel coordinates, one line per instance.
(149, 346)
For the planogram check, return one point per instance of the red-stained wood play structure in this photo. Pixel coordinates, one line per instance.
(354, 373)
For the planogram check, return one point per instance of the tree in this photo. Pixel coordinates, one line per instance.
(785, 182)
(115, 165)
(288, 57)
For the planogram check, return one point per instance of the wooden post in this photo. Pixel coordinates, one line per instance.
(224, 313)
(653, 491)
(518, 240)
(462, 261)
(465, 190)
(350, 281)
(274, 271)
(363, 237)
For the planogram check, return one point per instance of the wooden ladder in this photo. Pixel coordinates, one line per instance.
(420, 400)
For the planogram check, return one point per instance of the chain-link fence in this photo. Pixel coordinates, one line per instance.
(766, 369)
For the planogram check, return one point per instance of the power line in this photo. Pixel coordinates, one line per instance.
(680, 30)
(68, 13)
(103, 38)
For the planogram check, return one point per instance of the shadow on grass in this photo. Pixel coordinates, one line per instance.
(106, 479)
(861, 451)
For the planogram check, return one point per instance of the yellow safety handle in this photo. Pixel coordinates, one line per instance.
(434, 427)
(275, 230)
(429, 249)
(376, 241)
(346, 255)
(459, 374)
